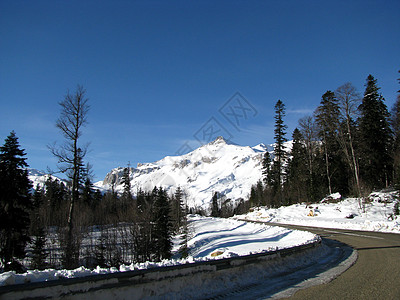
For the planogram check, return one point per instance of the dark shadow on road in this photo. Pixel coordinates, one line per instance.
(292, 276)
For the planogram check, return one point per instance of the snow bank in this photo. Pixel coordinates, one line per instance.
(376, 214)
(210, 238)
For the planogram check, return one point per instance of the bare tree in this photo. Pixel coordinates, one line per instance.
(349, 100)
(73, 117)
(309, 131)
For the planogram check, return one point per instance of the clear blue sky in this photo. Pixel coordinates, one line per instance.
(157, 71)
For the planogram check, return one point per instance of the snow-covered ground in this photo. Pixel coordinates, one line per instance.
(214, 237)
(209, 238)
(376, 214)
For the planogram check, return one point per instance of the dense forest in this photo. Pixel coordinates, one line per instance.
(350, 145)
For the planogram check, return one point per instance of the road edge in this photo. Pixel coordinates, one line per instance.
(322, 278)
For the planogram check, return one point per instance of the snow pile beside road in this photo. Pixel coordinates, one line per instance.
(375, 214)
(209, 239)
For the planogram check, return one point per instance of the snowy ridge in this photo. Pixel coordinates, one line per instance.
(219, 166)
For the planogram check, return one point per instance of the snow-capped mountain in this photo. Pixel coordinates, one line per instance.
(219, 166)
(39, 177)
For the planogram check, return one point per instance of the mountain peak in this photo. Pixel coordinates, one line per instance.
(219, 140)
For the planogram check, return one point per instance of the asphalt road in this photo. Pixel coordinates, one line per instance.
(375, 275)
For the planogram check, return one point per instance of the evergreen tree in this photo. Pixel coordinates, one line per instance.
(184, 249)
(279, 153)
(88, 193)
(15, 203)
(86, 187)
(260, 193)
(178, 209)
(162, 230)
(126, 182)
(38, 197)
(375, 138)
(36, 216)
(253, 196)
(101, 249)
(39, 253)
(257, 195)
(296, 184)
(55, 198)
(140, 199)
(266, 169)
(215, 211)
(38, 224)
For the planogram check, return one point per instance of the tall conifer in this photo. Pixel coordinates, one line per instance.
(15, 203)
(279, 152)
(296, 183)
(375, 138)
(162, 230)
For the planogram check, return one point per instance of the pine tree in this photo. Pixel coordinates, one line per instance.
(178, 209)
(162, 230)
(39, 253)
(38, 260)
(88, 193)
(184, 248)
(266, 168)
(296, 184)
(55, 197)
(126, 182)
(86, 187)
(279, 153)
(253, 196)
(15, 203)
(215, 211)
(140, 199)
(375, 138)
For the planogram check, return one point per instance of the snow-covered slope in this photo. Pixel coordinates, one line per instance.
(377, 213)
(219, 166)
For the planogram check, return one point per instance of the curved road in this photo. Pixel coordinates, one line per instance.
(375, 275)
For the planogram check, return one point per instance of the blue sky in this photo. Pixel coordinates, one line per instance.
(157, 73)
